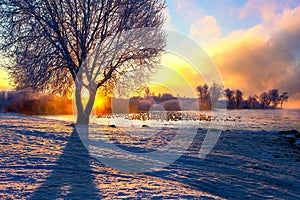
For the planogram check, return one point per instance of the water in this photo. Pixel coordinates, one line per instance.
(259, 120)
(251, 120)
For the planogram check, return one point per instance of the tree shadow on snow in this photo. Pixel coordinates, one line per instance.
(71, 176)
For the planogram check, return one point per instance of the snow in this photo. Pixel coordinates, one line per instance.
(43, 158)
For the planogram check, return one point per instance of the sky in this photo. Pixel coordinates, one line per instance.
(255, 44)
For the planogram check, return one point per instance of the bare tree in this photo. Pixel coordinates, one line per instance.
(55, 43)
(204, 97)
(215, 93)
(264, 99)
(229, 94)
(252, 102)
(147, 93)
(283, 98)
(239, 98)
(273, 96)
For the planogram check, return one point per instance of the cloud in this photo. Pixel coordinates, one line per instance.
(189, 10)
(192, 20)
(206, 31)
(267, 9)
(263, 57)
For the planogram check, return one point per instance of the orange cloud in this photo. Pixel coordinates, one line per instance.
(206, 31)
(263, 57)
(267, 9)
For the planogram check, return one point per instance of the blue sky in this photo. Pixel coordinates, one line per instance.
(227, 12)
(184, 12)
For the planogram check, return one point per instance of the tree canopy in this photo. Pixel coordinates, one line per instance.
(53, 43)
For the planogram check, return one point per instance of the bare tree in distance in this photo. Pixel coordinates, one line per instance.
(239, 98)
(204, 97)
(147, 92)
(53, 44)
(283, 98)
(273, 96)
(264, 99)
(208, 96)
(229, 94)
(252, 102)
(215, 93)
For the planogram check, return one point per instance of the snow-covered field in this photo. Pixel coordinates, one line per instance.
(43, 158)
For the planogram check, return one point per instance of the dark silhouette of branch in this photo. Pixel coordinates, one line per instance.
(49, 42)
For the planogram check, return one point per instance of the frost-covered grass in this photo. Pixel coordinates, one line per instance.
(45, 159)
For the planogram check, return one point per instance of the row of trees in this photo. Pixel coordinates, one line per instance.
(208, 97)
(48, 104)
(266, 100)
(33, 103)
(144, 104)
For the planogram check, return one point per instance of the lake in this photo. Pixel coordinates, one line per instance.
(253, 120)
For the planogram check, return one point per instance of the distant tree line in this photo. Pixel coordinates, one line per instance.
(266, 100)
(143, 104)
(34, 103)
(208, 97)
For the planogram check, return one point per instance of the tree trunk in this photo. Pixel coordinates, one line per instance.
(82, 119)
(83, 114)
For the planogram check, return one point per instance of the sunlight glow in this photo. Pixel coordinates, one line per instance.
(4, 80)
(175, 76)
